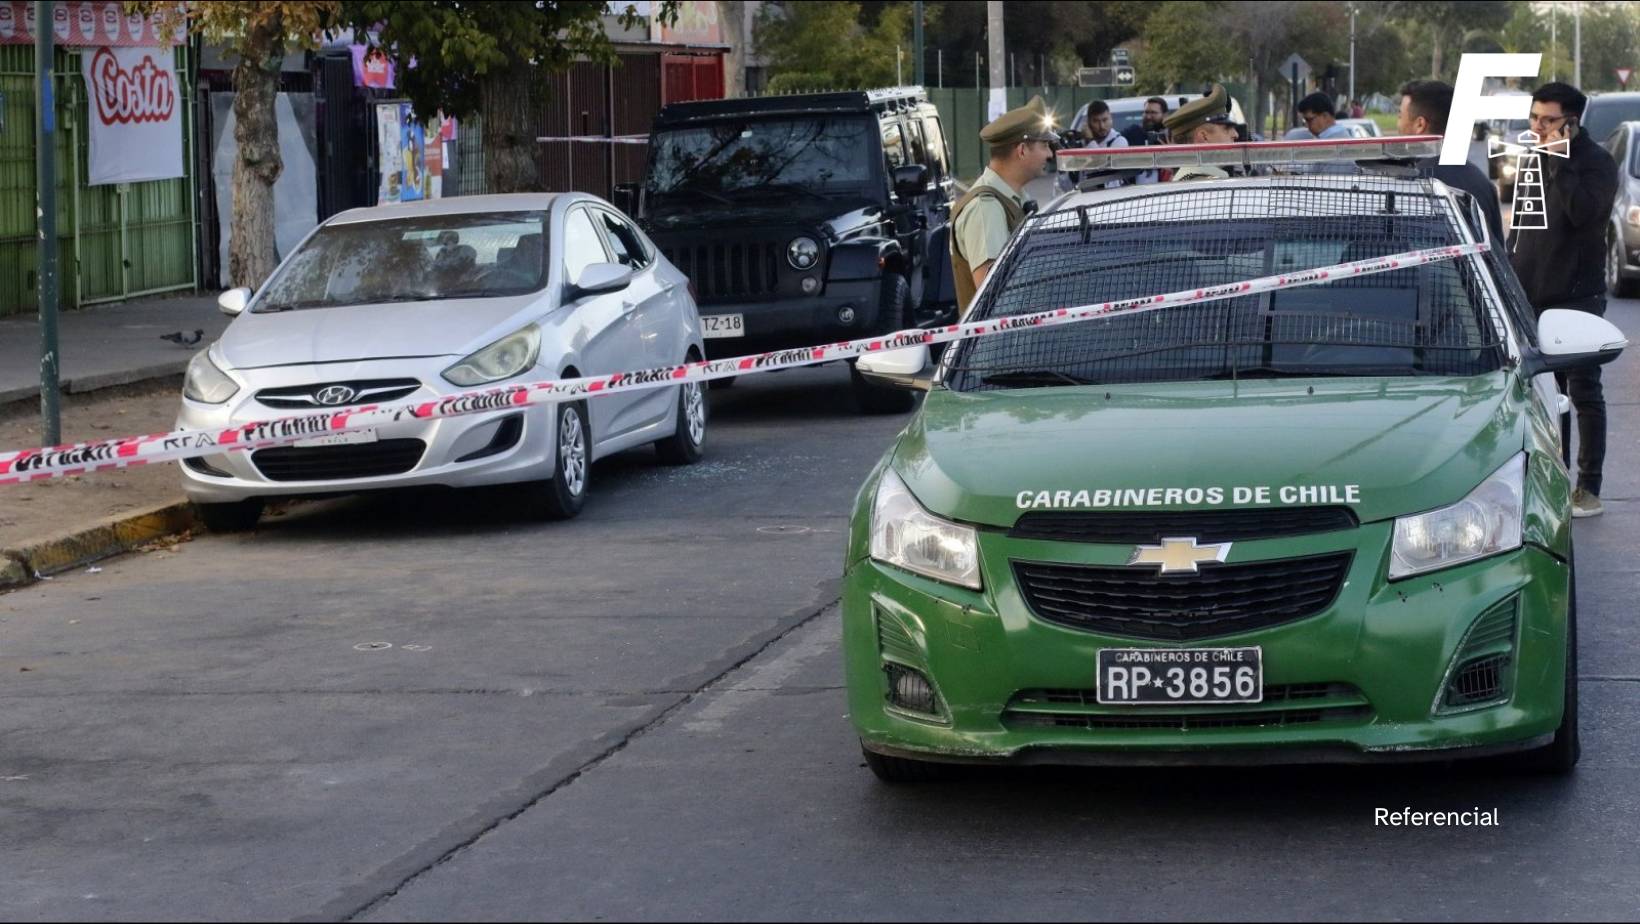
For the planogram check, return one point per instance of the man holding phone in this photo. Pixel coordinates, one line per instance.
(1563, 265)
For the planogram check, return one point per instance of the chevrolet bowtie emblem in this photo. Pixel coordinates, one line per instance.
(1528, 142)
(1176, 556)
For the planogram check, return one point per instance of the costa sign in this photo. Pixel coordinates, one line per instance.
(146, 93)
(136, 115)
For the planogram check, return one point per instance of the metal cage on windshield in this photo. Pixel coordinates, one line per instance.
(1441, 318)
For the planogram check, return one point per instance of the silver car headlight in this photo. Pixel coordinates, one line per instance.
(206, 383)
(905, 535)
(502, 359)
(1484, 523)
(803, 253)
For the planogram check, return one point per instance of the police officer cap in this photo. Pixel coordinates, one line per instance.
(1214, 108)
(1030, 122)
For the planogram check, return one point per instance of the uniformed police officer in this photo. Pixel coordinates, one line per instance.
(986, 216)
(1203, 121)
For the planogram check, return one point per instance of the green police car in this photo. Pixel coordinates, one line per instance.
(1326, 523)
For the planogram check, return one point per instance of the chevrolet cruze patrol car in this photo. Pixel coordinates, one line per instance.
(1318, 524)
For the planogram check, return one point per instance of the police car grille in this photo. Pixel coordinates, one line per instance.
(1147, 526)
(729, 270)
(328, 463)
(1283, 705)
(1137, 602)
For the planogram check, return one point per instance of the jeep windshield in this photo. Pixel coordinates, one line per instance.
(731, 160)
(1436, 319)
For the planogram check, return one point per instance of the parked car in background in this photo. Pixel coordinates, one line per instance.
(1362, 128)
(1623, 241)
(422, 301)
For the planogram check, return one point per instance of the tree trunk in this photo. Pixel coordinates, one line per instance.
(252, 250)
(511, 103)
(1435, 53)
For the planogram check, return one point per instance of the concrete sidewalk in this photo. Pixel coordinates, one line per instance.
(107, 345)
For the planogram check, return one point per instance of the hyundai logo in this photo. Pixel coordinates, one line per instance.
(333, 395)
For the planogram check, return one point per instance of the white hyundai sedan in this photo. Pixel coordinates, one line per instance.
(419, 301)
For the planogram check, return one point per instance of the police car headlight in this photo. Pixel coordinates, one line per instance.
(1484, 523)
(502, 359)
(206, 383)
(802, 253)
(905, 535)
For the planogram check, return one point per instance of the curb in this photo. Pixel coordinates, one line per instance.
(80, 385)
(113, 536)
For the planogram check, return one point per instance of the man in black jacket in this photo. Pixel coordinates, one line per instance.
(1425, 105)
(1563, 265)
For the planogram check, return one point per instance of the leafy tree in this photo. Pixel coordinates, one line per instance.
(258, 33)
(821, 46)
(493, 58)
(1185, 47)
(1447, 23)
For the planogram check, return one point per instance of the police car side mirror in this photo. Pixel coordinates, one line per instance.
(907, 368)
(910, 181)
(598, 278)
(1568, 338)
(233, 301)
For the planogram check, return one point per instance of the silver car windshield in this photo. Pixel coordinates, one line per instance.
(422, 258)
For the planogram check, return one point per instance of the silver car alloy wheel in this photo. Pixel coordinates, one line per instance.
(1614, 265)
(694, 411)
(572, 450)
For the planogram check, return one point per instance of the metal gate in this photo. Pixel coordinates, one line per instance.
(114, 242)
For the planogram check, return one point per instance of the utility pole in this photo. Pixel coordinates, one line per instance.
(899, 66)
(939, 67)
(998, 53)
(920, 70)
(45, 200)
(1554, 44)
(1352, 54)
(1577, 45)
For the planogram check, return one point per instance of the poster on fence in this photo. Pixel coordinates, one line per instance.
(409, 170)
(136, 115)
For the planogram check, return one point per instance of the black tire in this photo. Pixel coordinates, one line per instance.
(1561, 755)
(1615, 283)
(564, 494)
(893, 309)
(898, 770)
(236, 517)
(720, 384)
(687, 441)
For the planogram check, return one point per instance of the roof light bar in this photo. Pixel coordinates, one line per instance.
(1254, 153)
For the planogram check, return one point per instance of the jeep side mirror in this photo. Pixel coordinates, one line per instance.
(1568, 338)
(626, 198)
(233, 301)
(903, 368)
(598, 278)
(910, 181)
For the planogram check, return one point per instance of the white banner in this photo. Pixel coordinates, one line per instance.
(136, 115)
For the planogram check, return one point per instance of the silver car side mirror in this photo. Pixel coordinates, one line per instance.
(598, 278)
(233, 301)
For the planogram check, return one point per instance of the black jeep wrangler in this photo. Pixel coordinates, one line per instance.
(804, 220)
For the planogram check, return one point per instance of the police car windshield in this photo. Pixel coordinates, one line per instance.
(727, 158)
(1437, 319)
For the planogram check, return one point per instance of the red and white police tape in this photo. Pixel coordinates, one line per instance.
(104, 455)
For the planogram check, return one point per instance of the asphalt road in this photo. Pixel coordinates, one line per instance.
(425, 707)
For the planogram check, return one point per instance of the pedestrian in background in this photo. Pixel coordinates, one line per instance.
(1099, 132)
(1320, 120)
(1425, 105)
(1021, 144)
(1151, 129)
(1563, 265)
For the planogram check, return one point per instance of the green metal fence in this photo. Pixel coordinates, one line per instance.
(962, 111)
(114, 241)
